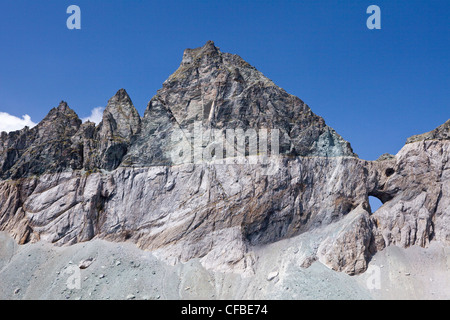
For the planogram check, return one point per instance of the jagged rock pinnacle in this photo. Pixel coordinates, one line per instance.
(121, 96)
(63, 105)
(112, 137)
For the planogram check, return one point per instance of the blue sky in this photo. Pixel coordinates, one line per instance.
(375, 87)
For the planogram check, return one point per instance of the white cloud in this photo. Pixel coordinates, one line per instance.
(10, 123)
(96, 115)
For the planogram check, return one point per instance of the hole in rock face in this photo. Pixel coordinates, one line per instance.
(389, 172)
(127, 235)
(375, 203)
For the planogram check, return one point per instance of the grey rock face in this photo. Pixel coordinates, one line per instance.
(220, 213)
(119, 183)
(415, 188)
(350, 248)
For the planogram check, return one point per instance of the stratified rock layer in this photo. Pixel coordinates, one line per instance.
(66, 182)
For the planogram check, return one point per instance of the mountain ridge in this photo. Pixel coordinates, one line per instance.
(66, 182)
(244, 99)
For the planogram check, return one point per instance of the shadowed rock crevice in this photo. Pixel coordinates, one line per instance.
(382, 196)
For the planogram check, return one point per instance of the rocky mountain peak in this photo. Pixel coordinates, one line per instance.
(104, 146)
(63, 106)
(214, 89)
(440, 133)
(120, 118)
(61, 113)
(210, 44)
(60, 123)
(222, 91)
(45, 148)
(203, 55)
(121, 96)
